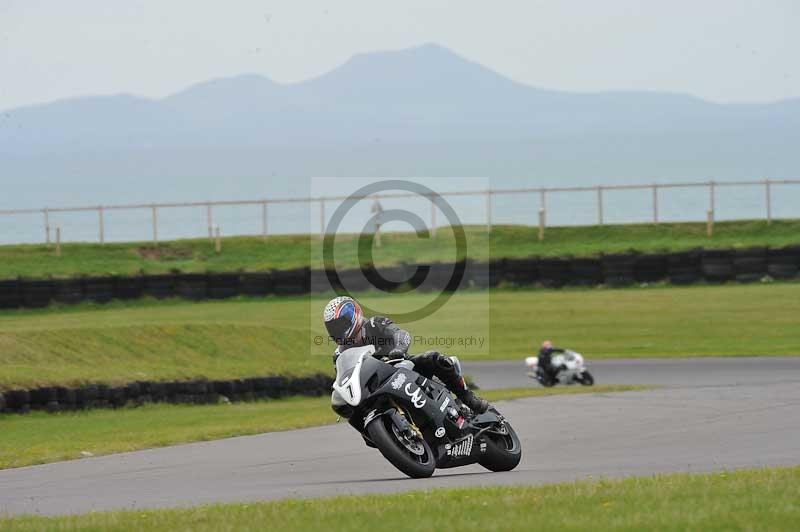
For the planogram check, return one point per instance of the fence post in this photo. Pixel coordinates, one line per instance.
(541, 224)
(769, 202)
(542, 199)
(210, 220)
(58, 241)
(264, 219)
(47, 226)
(218, 245)
(600, 205)
(655, 204)
(489, 211)
(433, 218)
(710, 223)
(102, 225)
(322, 218)
(712, 200)
(155, 224)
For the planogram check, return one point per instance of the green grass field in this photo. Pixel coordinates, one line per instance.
(760, 499)
(283, 252)
(149, 340)
(39, 438)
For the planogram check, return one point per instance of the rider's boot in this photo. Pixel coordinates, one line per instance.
(467, 396)
(448, 369)
(475, 403)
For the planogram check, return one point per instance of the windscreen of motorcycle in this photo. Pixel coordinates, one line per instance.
(348, 378)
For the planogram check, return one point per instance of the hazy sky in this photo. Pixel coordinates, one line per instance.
(722, 50)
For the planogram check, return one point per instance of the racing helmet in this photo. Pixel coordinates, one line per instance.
(343, 319)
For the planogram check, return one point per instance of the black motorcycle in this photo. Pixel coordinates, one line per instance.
(417, 423)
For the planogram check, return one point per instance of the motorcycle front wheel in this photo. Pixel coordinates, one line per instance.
(587, 379)
(412, 456)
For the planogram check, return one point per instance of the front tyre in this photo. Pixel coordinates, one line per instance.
(586, 379)
(411, 455)
(503, 449)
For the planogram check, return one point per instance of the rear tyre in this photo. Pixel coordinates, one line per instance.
(503, 449)
(587, 379)
(412, 457)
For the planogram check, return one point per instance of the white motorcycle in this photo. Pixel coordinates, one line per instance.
(575, 371)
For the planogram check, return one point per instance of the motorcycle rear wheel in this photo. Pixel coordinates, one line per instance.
(503, 451)
(397, 452)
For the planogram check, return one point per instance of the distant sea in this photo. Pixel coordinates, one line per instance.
(563, 208)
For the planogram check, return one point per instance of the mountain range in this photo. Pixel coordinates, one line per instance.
(419, 111)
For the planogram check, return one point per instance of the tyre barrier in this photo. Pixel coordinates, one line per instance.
(684, 267)
(223, 285)
(10, 294)
(37, 294)
(680, 268)
(783, 263)
(517, 272)
(159, 286)
(199, 391)
(256, 284)
(619, 269)
(586, 272)
(481, 274)
(717, 265)
(750, 265)
(554, 273)
(99, 289)
(192, 286)
(128, 287)
(69, 291)
(291, 282)
(651, 268)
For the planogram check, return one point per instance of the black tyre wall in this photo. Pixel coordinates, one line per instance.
(519, 272)
(586, 272)
(192, 286)
(223, 285)
(651, 268)
(10, 294)
(684, 268)
(256, 284)
(619, 269)
(750, 264)
(717, 265)
(159, 286)
(554, 273)
(783, 263)
(37, 294)
(99, 289)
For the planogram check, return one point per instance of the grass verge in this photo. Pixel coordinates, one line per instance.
(293, 251)
(759, 499)
(149, 340)
(39, 438)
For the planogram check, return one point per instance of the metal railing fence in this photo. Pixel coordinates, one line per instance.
(600, 191)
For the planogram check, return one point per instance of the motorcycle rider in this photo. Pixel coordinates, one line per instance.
(347, 326)
(546, 360)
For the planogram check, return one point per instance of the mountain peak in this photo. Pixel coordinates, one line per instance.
(248, 82)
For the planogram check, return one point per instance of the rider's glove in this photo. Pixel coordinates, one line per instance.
(396, 353)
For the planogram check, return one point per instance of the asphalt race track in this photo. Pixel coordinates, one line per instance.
(709, 414)
(672, 372)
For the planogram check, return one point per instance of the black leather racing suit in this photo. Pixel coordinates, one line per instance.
(392, 342)
(546, 361)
